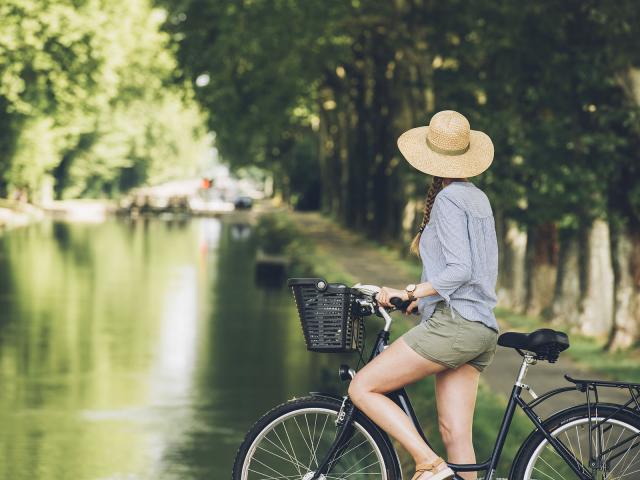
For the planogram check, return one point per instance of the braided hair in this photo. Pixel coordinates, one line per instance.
(434, 189)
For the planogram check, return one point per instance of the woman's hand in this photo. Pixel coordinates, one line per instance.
(386, 294)
(412, 306)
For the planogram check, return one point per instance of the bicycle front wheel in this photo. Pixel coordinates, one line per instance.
(289, 442)
(614, 446)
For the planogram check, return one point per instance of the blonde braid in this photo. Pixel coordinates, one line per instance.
(434, 189)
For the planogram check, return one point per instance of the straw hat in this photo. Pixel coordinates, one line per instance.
(447, 147)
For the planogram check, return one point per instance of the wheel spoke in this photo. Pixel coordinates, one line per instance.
(279, 456)
(606, 445)
(293, 450)
(290, 459)
(357, 472)
(269, 477)
(624, 456)
(630, 473)
(358, 462)
(280, 475)
(305, 442)
(275, 431)
(551, 467)
(350, 450)
(315, 449)
(630, 463)
(291, 446)
(313, 435)
(546, 475)
(612, 450)
(311, 457)
(579, 446)
(570, 444)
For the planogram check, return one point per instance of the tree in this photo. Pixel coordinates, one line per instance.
(74, 77)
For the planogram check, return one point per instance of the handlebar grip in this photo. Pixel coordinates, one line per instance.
(402, 305)
(398, 302)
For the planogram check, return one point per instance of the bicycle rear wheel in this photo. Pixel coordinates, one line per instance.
(617, 446)
(289, 441)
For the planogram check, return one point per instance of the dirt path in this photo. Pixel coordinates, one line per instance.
(364, 262)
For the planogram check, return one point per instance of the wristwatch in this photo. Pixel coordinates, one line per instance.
(410, 289)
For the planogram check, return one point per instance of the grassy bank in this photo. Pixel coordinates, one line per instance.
(277, 234)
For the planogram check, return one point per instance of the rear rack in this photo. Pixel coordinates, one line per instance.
(590, 388)
(583, 383)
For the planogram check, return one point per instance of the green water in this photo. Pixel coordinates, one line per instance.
(140, 350)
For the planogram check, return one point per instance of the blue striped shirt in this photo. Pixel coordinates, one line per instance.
(459, 252)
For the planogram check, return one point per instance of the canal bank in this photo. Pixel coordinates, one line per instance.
(18, 214)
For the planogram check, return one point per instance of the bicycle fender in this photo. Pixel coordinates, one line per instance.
(396, 466)
(331, 396)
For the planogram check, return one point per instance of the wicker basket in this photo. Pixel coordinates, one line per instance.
(328, 315)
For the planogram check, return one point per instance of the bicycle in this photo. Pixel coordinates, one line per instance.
(325, 437)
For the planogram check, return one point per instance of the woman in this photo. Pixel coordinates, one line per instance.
(457, 336)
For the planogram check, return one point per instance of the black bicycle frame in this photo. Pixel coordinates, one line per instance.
(589, 387)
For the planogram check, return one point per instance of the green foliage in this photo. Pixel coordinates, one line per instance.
(88, 100)
(547, 80)
(275, 233)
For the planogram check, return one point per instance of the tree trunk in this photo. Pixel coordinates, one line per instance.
(324, 162)
(583, 287)
(359, 153)
(563, 310)
(597, 281)
(625, 255)
(540, 267)
(511, 286)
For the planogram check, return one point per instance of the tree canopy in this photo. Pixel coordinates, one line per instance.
(88, 99)
(319, 91)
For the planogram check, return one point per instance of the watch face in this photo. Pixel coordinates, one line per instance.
(411, 287)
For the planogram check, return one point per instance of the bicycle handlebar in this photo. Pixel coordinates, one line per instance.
(371, 304)
(371, 291)
(402, 305)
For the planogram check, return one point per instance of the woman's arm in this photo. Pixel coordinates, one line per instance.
(450, 223)
(387, 293)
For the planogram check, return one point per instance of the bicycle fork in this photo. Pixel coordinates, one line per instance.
(344, 424)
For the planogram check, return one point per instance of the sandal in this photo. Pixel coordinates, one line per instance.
(431, 467)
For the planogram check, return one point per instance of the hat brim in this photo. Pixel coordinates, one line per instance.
(414, 148)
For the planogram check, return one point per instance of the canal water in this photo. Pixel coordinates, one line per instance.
(140, 349)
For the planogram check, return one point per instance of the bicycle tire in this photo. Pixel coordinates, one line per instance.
(388, 456)
(563, 423)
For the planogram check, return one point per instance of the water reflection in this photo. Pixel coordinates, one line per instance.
(140, 350)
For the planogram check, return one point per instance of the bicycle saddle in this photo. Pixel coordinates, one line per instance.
(545, 343)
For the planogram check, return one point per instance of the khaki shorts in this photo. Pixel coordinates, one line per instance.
(452, 342)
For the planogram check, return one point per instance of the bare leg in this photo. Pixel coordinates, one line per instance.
(456, 392)
(397, 366)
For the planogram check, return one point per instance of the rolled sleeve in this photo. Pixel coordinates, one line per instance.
(450, 223)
